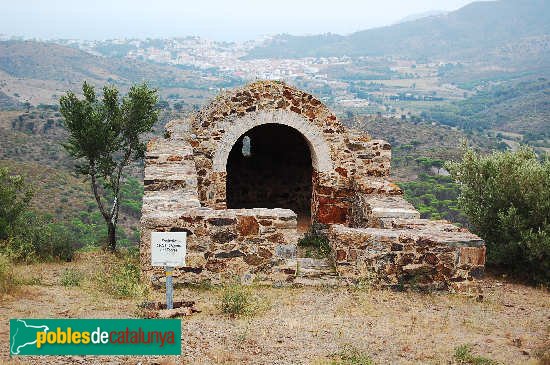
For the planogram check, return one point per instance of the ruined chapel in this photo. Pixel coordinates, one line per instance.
(256, 167)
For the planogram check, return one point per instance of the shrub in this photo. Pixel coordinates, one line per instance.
(7, 278)
(238, 300)
(126, 281)
(543, 355)
(25, 236)
(14, 200)
(463, 355)
(35, 239)
(506, 196)
(70, 277)
(235, 300)
(315, 243)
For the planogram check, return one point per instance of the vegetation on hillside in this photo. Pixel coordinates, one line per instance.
(24, 236)
(506, 196)
(435, 197)
(521, 107)
(14, 200)
(54, 62)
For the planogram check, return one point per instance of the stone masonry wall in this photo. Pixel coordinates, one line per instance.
(386, 241)
(222, 245)
(428, 255)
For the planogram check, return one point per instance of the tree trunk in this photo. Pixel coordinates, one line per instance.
(111, 243)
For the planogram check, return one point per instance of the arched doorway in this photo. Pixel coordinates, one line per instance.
(270, 167)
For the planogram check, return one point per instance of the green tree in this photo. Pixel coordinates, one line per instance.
(506, 196)
(104, 137)
(14, 200)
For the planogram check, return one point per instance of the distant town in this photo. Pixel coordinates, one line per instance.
(372, 84)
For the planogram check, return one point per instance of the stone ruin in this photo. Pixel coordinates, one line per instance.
(256, 167)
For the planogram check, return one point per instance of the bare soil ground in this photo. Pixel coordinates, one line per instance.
(308, 325)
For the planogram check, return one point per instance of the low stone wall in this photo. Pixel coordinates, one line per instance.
(372, 210)
(226, 244)
(426, 255)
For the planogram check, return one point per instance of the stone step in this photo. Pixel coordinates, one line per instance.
(373, 210)
(314, 268)
(324, 281)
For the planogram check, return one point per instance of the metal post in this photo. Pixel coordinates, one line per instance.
(169, 288)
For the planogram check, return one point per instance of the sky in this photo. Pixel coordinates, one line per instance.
(227, 20)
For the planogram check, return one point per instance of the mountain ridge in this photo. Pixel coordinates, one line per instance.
(475, 27)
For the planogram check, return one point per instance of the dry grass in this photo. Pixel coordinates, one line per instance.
(8, 280)
(310, 325)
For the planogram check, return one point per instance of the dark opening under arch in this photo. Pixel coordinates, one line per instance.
(272, 169)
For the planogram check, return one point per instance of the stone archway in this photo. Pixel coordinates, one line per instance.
(315, 146)
(218, 126)
(234, 129)
(270, 166)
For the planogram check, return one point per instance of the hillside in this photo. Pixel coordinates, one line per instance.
(470, 33)
(413, 140)
(34, 73)
(8, 103)
(39, 72)
(30, 145)
(517, 107)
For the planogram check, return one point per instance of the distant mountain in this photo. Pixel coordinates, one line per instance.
(425, 14)
(468, 33)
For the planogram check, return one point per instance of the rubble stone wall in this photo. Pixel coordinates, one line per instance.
(223, 245)
(430, 256)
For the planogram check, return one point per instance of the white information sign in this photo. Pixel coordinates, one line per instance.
(168, 248)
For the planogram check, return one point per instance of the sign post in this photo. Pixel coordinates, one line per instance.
(168, 249)
(169, 288)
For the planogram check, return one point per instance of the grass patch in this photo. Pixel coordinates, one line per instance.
(34, 280)
(543, 355)
(350, 355)
(463, 355)
(238, 300)
(71, 277)
(314, 244)
(121, 276)
(8, 282)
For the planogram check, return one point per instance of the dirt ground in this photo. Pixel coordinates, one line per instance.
(307, 325)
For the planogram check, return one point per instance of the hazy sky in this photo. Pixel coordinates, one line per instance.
(216, 19)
